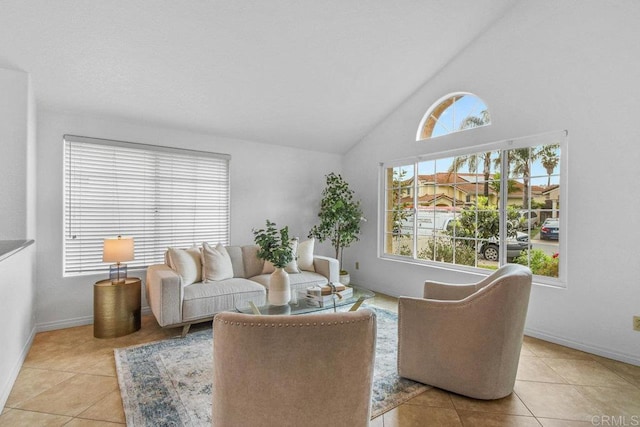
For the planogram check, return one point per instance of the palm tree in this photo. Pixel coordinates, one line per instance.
(519, 164)
(476, 121)
(550, 159)
(472, 159)
(521, 159)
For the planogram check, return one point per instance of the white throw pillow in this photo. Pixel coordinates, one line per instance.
(305, 255)
(186, 262)
(292, 267)
(216, 263)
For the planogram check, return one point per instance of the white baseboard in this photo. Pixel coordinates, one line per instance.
(65, 323)
(13, 375)
(78, 321)
(604, 352)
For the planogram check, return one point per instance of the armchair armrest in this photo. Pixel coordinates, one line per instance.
(447, 292)
(328, 267)
(164, 294)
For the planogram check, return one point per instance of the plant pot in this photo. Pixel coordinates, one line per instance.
(345, 278)
(279, 287)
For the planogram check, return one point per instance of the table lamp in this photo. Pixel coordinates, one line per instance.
(117, 250)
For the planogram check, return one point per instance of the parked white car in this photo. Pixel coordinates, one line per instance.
(429, 223)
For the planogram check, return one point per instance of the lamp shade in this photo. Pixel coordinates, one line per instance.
(118, 249)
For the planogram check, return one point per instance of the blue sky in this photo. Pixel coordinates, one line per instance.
(452, 117)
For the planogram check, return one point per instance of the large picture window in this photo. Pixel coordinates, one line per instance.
(159, 196)
(479, 209)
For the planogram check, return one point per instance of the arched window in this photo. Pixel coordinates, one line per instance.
(453, 113)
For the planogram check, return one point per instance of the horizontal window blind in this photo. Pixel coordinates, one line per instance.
(159, 196)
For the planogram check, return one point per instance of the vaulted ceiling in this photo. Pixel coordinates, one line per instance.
(315, 74)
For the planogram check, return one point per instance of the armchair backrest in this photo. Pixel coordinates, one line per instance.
(508, 270)
(504, 297)
(306, 370)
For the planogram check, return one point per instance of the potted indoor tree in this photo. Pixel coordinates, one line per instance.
(275, 247)
(340, 216)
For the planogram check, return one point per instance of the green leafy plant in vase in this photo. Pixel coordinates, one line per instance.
(340, 218)
(275, 247)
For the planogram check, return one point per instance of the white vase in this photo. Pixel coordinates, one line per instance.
(279, 287)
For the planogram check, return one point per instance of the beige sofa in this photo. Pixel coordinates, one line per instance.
(181, 296)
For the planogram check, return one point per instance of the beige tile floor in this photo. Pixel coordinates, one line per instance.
(69, 378)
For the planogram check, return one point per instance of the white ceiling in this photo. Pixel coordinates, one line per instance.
(316, 74)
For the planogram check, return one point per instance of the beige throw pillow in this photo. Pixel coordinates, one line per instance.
(305, 255)
(268, 267)
(186, 262)
(292, 267)
(216, 263)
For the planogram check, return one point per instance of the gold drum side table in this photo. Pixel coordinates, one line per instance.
(116, 308)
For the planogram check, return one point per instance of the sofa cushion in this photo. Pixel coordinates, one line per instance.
(186, 262)
(237, 262)
(252, 264)
(216, 263)
(205, 299)
(299, 281)
(305, 255)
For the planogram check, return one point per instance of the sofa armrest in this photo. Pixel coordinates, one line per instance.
(328, 267)
(164, 294)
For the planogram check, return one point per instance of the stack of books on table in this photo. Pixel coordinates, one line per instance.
(321, 296)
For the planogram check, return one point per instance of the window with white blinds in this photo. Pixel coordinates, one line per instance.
(159, 196)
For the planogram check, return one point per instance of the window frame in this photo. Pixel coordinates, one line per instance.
(438, 105)
(152, 194)
(547, 138)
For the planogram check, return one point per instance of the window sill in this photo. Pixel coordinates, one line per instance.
(475, 271)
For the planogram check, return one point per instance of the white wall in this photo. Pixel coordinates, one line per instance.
(17, 299)
(278, 183)
(17, 209)
(14, 111)
(546, 66)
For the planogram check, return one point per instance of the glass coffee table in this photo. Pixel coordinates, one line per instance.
(299, 304)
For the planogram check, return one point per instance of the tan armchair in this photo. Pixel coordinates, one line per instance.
(305, 370)
(466, 338)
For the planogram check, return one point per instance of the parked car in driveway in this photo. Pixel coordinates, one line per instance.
(550, 229)
(490, 250)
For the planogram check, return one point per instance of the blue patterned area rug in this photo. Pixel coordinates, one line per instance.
(168, 383)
